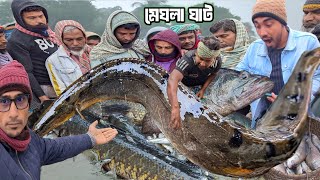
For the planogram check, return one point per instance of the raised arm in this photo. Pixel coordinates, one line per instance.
(174, 78)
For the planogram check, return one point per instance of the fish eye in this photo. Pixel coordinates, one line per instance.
(244, 75)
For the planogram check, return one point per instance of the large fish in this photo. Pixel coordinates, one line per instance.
(230, 149)
(130, 155)
(144, 83)
(232, 90)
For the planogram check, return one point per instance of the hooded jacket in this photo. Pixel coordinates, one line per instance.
(31, 51)
(153, 31)
(172, 38)
(62, 66)
(110, 48)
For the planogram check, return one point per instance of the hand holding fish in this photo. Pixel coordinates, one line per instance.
(200, 94)
(175, 121)
(273, 97)
(101, 136)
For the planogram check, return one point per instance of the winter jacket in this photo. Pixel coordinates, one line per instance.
(171, 37)
(62, 69)
(26, 165)
(110, 48)
(257, 61)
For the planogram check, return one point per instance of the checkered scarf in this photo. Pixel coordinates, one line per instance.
(231, 58)
(52, 36)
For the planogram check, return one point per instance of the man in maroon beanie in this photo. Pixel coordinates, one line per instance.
(23, 152)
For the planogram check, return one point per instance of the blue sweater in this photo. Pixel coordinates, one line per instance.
(41, 151)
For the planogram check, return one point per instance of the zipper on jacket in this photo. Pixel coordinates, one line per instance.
(22, 166)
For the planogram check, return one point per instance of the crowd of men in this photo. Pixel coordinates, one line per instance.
(38, 64)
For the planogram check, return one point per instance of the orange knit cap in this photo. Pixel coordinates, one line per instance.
(275, 9)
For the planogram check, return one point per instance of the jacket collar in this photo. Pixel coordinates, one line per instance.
(62, 52)
(291, 45)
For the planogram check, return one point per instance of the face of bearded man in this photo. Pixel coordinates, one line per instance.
(75, 41)
(35, 20)
(311, 18)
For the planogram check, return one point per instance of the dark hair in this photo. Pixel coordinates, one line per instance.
(1, 29)
(225, 24)
(186, 32)
(129, 26)
(94, 37)
(32, 8)
(211, 42)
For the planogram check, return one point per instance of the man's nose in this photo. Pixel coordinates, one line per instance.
(127, 37)
(308, 17)
(75, 43)
(162, 51)
(262, 32)
(3, 40)
(13, 111)
(40, 21)
(202, 63)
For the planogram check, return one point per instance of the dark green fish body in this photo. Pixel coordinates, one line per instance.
(221, 146)
(315, 107)
(125, 157)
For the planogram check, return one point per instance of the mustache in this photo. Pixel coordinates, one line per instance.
(309, 25)
(14, 121)
(266, 38)
(40, 26)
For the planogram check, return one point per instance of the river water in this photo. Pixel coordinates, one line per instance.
(77, 168)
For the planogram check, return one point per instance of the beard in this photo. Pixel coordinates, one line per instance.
(40, 29)
(127, 45)
(77, 53)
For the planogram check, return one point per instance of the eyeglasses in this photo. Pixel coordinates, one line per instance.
(21, 102)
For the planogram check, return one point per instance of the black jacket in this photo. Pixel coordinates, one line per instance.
(29, 50)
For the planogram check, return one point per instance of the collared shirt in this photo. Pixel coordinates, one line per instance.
(257, 61)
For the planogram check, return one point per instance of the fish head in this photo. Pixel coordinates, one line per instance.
(233, 90)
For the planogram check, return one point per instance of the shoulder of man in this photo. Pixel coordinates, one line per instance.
(188, 56)
(300, 35)
(18, 38)
(185, 61)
